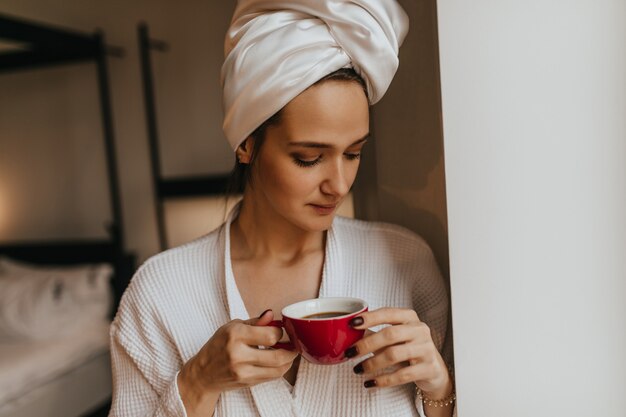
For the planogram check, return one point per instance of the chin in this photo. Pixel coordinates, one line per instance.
(313, 224)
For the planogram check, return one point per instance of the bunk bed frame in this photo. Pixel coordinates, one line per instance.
(168, 188)
(47, 46)
(52, 46)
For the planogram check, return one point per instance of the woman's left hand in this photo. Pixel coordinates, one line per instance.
(407, 342)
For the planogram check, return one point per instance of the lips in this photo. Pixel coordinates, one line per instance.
(326, 206)
(324, 209)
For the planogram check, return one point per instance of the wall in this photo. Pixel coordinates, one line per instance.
(534, 98)
(52, 188)
(46, 115)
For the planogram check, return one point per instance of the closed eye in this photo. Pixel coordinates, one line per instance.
(307, 163)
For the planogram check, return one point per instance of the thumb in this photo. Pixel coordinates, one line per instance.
(263, 320)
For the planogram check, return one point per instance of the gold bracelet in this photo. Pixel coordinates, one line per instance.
(449, 400)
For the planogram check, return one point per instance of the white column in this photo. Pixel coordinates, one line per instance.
(534, 117)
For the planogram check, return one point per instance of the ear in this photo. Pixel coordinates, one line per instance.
(244, 151)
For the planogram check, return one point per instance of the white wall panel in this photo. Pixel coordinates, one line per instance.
(534, 110)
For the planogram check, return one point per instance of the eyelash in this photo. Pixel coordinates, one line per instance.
(308, 164)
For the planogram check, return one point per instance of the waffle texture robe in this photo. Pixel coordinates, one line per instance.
(179, 298)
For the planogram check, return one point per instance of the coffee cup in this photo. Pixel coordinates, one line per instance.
(319, 328)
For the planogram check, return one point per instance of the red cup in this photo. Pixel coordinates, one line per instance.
(322, 340)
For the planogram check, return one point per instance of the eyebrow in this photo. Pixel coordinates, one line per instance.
(326, 145)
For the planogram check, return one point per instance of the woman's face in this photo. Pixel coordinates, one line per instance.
(309, 160)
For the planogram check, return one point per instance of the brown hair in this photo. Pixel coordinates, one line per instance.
(241, 175)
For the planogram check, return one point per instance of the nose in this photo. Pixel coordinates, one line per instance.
(337, 180)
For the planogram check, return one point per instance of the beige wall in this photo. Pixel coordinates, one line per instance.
(52, 175)
(52, 188)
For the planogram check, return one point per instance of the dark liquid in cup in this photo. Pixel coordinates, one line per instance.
(326, 315)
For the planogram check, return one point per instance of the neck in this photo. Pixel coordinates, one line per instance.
(260, 233)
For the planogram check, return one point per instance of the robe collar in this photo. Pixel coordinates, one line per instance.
(313, 390)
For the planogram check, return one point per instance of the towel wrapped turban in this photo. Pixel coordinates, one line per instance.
(277, 49)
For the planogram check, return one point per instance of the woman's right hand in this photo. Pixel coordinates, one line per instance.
(232, 360)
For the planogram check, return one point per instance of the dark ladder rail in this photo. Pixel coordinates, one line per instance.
(145, 45)
(116, 229)
(170, 188)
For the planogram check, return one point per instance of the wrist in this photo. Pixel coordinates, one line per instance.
(444, 396)
(192, 391)
(442, 392)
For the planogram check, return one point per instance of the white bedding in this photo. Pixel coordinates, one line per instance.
(43, 302)
(26, 365)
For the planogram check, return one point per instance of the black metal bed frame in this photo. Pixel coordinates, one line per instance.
(46, 46)
(50, 46)
(167, 188)
(42, 46)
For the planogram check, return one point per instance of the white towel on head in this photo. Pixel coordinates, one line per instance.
(277, 49)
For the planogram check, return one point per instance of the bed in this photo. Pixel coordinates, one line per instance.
(66, 376)
(59, 378)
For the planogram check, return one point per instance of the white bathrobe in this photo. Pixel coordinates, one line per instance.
(179, 298)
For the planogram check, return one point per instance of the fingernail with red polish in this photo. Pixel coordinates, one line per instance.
(263, 313)
(350, 352)
(369, 384)
(357, 321)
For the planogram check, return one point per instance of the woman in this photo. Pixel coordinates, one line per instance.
(297, 115)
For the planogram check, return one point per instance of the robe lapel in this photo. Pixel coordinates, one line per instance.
(272, 399)
(333, 280)
(236, 307)
(315, 384)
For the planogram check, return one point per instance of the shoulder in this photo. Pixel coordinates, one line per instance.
(179, 261)
(171, 275)
(389, 238)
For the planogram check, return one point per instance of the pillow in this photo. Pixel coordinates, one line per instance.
(42, 302)
(36, 309)
(88, 282)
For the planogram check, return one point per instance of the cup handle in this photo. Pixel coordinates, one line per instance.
(281, 345)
